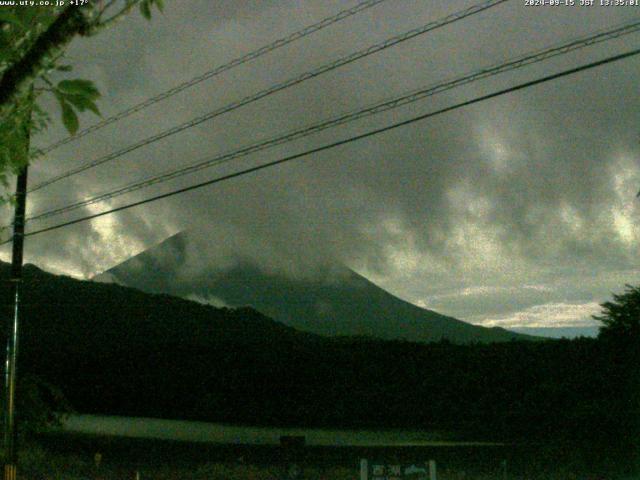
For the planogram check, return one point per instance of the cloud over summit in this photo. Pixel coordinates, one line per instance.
(532, 188)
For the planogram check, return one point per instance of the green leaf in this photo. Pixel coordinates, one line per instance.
(64, 68)
(84, 88)
(78, 93)
(9, 17)
(145, 9)
(160, 5)
(82, 103)
(69, 118)
(5, 158)
(94, 108)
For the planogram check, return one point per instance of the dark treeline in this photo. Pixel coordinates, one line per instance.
(114, 350)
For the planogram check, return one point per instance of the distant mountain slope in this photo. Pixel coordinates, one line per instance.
(342, 304)
(101, 315)
(560, 332)
(119, 351)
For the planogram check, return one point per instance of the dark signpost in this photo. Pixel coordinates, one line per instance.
(384, 470)
(292, 452)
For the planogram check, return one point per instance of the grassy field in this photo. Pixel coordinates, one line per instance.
(67, 457)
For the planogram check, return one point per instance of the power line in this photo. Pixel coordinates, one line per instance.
(342, 142)
(518, 62)
(217, 71)
(278, 87)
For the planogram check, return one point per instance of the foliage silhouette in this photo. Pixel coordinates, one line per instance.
(32, 44)
(116, 350)
(621, 317)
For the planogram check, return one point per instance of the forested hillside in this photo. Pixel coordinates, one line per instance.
(116, 350)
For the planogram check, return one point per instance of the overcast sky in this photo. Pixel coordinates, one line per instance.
(519, 211)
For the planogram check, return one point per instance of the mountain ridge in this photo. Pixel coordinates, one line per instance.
(343, 303)
(119, 351)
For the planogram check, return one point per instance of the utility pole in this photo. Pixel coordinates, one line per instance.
(10, 430)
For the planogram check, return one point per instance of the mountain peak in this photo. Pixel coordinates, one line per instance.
(337, 302)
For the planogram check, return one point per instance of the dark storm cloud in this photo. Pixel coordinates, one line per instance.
(495, 212)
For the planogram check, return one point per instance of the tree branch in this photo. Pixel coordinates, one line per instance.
(101, 24)
(70, 22)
